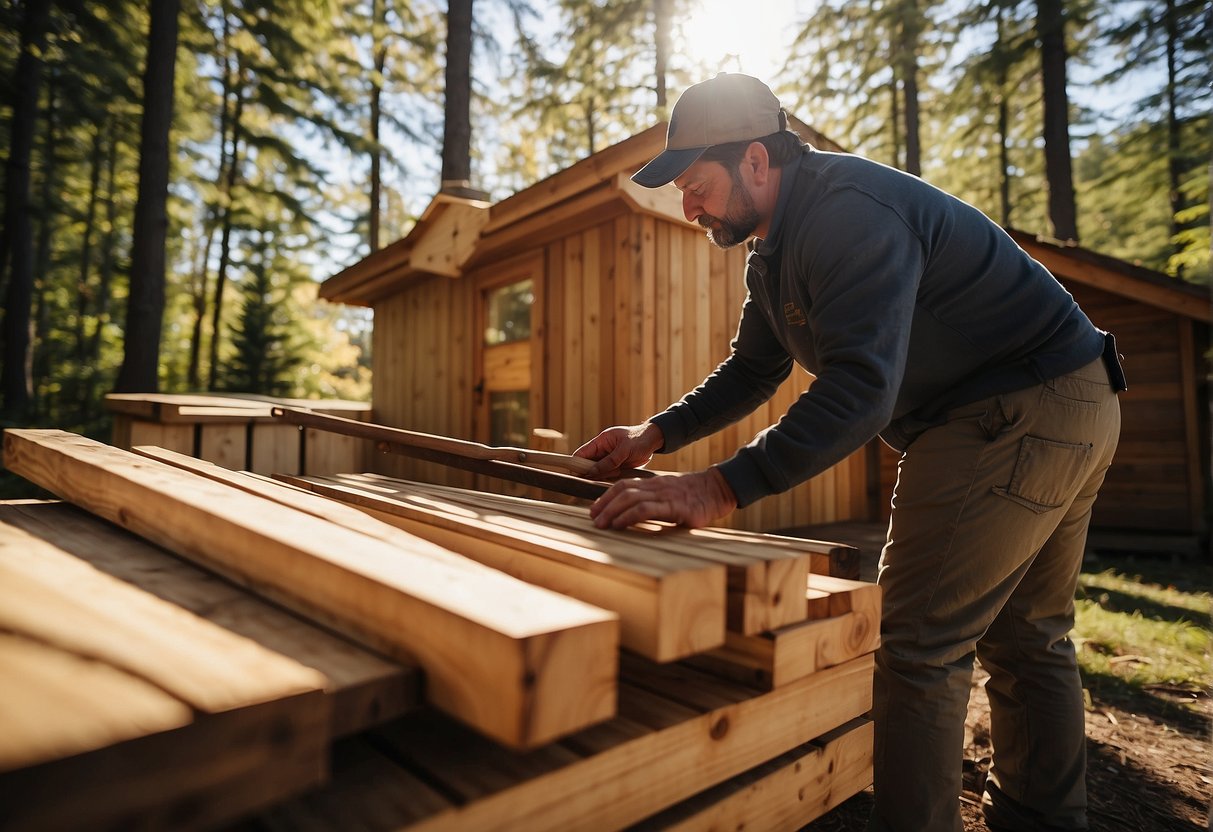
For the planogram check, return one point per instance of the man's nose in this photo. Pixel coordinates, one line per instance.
(692, 206)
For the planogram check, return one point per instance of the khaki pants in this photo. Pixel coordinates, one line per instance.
(989, 524)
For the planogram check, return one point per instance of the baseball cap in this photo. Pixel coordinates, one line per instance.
(731, 107)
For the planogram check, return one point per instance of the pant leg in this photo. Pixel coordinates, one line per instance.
(1038, 775)
(976, 499)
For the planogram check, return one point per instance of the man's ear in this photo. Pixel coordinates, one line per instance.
(756, 163)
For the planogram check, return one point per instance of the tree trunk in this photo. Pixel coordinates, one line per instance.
(457, 132)
(379, 48)
(145, 306)
(16, 241)
(1175, 166)
(50, 209)
(895, 121)
(105, 279)
(1004, 141)
(661, 14)
(225, 240)
(909, 72)
(86, 247)
(1050, 28)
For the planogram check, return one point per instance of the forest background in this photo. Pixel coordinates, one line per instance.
(180, 174)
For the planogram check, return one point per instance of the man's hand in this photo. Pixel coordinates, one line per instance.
(691, 500)
(621, 447)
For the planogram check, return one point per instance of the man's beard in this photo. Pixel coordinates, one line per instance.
(739, 221)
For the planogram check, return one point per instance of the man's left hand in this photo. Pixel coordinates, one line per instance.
(691, 500)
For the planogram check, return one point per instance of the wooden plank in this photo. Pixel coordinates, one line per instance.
(765, 584)
(275, 449)
(132, 708)
(590, 317)
(783, 794)
(328, 453)
(365, 688)
(574, 338)
(626, 341)
(224, 444)
(520, 663)
(781, 657)
(202, 774)
(669, 606)
(1196, 474)
(612, 775)
(179, 437)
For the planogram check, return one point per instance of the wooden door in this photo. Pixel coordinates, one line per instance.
(508, 327)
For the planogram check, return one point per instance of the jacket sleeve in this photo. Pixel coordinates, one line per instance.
(862, 265)
(756, 366)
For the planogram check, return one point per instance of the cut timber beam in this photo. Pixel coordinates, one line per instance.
(669, 607)
(120, 709)
(678, 733)
(773, 659)
(765, 584)
(520, 663)
(365, 688)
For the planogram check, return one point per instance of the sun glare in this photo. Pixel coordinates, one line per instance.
(728, 36)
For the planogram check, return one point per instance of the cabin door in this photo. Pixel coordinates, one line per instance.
(508, 341)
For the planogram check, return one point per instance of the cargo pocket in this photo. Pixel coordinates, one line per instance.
(1047, 474)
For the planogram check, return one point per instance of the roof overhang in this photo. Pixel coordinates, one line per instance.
(1068, 260)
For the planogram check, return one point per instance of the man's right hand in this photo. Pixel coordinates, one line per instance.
(621, 447)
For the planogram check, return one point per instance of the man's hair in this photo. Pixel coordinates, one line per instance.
(782, 147)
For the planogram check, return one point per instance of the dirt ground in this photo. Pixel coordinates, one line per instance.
(1149, 760)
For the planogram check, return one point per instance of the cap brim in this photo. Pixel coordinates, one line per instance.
(667, 167)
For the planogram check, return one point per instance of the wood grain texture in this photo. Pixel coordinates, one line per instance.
(119, 708)
(520, 663)
(765, 584)
(364, 687)
(679, 732)
(783, 794)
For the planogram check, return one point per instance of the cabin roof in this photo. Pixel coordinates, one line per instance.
(455, 233)
(1069, 261)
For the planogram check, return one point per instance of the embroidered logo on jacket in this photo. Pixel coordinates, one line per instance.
(794, 315)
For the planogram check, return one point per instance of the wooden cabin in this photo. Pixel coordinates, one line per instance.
(586, 301)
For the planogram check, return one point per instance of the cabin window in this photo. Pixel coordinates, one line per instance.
(508, 313)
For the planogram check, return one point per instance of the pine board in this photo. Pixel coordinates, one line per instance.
(136, 709)
(522, 664)
(365, 688)
(665, 746)
(765, 583)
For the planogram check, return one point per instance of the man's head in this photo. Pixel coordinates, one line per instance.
(725, 137)
(728, 109)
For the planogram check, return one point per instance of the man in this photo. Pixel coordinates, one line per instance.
(924, 323)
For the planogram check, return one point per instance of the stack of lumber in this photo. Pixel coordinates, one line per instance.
(478, 683)
(238, 431)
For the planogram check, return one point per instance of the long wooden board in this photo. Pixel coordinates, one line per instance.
(365, 688)
(783, 794)
(765, 585)
(678, 733)
(520, 663)
(669, 607)
(118, 707)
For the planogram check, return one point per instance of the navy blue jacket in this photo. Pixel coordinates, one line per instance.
(902, 300)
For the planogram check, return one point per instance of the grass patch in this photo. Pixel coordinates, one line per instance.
(1145, 627)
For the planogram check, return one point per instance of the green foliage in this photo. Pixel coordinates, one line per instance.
(272, 141)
